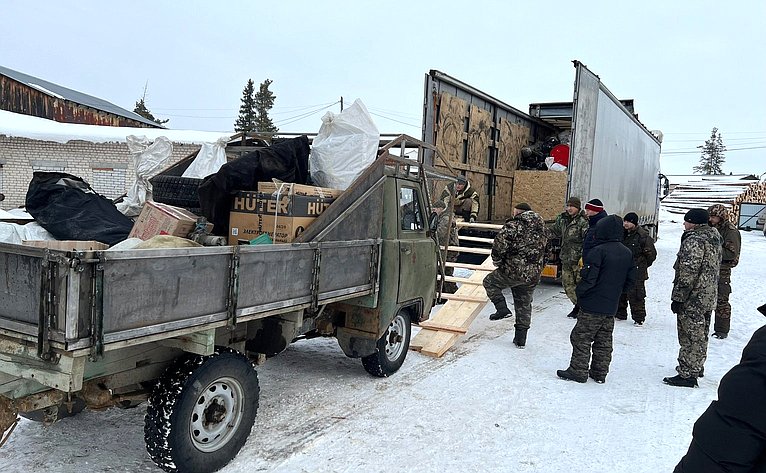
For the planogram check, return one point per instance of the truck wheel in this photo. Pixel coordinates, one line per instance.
(392, 348)
(201, 412)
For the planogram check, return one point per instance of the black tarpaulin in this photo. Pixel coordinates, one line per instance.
(287, 161)
(70, 209)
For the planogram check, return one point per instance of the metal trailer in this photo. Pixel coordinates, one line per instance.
(182, 327)
(613, 157)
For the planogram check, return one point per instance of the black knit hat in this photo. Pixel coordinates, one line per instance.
(522, 206)
(696, 216)
(594, 205)
(631, 217)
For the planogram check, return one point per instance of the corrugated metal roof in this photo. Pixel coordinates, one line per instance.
(60, 92)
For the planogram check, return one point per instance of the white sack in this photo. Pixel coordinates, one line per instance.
(209, 160)
(148, 161)
(347, 143)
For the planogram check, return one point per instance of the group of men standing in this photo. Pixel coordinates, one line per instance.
(604, 266)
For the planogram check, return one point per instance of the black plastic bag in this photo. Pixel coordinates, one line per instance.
(287, 161)
(70, 209)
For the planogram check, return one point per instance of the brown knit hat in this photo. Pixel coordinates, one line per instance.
(522, 206)
(574, 202)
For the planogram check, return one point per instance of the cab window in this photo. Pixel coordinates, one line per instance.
(412, 218)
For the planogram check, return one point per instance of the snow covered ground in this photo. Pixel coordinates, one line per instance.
(484, 406)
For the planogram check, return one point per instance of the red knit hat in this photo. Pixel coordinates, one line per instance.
(594, 205)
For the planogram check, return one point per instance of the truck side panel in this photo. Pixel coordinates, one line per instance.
(614, 158)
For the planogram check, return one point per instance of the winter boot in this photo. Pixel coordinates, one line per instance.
(599, 378)
(570, 375)
(679, 381)
(520, 337)
(575, 311)
(501, 310)
(720, 335)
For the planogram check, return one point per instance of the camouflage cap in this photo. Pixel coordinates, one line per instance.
(718, 210)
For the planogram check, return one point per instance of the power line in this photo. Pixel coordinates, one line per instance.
(700, 152)
(394, 120)
(287, 121)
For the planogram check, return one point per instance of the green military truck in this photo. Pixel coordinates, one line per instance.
(181, 327)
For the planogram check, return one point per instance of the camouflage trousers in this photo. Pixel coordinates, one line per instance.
(449, 287)
(591, 332)
(570, 276)
(723, 308)
(496, 281)
(693, 328)
(636, 298)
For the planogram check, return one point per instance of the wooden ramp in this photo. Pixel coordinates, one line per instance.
(441, 331)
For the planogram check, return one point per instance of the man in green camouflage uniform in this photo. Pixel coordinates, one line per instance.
(446, 235)
(695, 289)
(719, 219)
(518, 252)
(462, 198)
(570, 227)
(641, 245)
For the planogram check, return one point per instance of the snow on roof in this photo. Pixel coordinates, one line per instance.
(708, 190)
(35, 128)
(710, 178)
(59, 92)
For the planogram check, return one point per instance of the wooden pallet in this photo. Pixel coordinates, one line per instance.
(442, 330)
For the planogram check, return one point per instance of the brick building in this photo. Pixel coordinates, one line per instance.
(97, 154)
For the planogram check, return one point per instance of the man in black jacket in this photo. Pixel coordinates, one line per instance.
(607, 272)
(730, 436)
(594, 210)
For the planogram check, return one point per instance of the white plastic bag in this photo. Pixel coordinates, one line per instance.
(346, 144)
(209, 160)
(148, 160)
(553, 166)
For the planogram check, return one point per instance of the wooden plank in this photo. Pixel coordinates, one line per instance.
(449, 134)
(455, 297)
(437, 326)
(476, 239)
(479, 129)
(484, 226)
(468, 249)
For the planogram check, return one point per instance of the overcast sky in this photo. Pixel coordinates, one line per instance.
(689, 65)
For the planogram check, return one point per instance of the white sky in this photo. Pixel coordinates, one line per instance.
(689, 66)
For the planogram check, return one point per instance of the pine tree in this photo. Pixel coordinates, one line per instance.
(264, 101)
(246, 121)
(712, 155)
(142, 110)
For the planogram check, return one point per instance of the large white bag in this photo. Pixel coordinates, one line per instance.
(148, 160)
(209, 160)
(346, 144)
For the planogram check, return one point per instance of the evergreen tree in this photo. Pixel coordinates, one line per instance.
(246, 121)
(712, 155)
(264, 101)
(142, 110)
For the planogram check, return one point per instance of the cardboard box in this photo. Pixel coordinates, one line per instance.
(162, 219)
(283, 219)
(66, 245)
(298, 189)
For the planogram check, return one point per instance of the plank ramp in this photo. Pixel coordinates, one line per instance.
(442, 330)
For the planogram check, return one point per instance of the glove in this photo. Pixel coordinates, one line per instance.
(472, 219)
(676, 307)
(579, 263)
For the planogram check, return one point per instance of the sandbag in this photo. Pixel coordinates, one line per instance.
(70, 209)
(286, 161)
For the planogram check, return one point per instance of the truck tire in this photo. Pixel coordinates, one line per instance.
(201, 412)
(392, 348)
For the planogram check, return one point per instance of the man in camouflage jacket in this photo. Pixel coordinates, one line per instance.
(719, 219)
(570, 227)
(641, 244)
(695, 289)
(518, 252)
(446, 235)
(462, 198)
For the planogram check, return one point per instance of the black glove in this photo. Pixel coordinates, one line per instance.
(676, 307)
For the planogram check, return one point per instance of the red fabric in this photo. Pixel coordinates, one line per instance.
(560, 154)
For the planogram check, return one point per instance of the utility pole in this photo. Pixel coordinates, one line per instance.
(341, 103)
